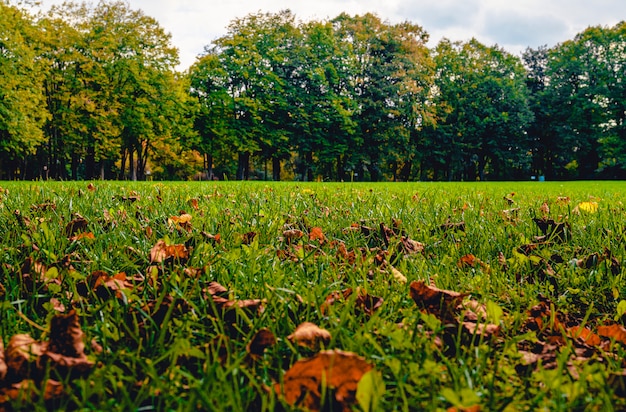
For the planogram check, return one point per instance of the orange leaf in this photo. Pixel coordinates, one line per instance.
(310, 335)
(442, 303)
(615, 332)
(467, 260)
(341, 371)
(3, 365)
(317, 234)
(585, 334)
(82, 235)
(161, 252)
(91, 187)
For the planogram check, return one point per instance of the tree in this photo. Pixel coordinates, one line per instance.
(22, 108)
(483, 112)
(390, 82)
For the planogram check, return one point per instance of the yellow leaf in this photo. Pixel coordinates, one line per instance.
(589, 207)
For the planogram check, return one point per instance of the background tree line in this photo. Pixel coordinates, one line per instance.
(92, 91)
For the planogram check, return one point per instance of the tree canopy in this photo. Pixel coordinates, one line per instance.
(92, 91)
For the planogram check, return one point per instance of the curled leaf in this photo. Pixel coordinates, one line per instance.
(310, 335)
(162, 252)
(3, 365)
(304, 383)
(261, 340)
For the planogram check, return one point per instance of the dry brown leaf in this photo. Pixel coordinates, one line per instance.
(341, 371)
(22, 355)
(103, 283)
(26, 391)
(441, 303)
(317, 234)
(310, 335)
(248, 238)
(261, 340)
(615, 332)
(162, 252)
(78, 224)
(66, 346)
(183, 221)
(3, 365)
(411, 246)
(578, 332)
(473, 408)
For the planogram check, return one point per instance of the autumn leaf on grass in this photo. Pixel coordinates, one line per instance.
(552, 230)
(103, 284)
(66, 346)
(586, 335)
(439, 302)
(317, 234)
(78, 224)
(3, 365)
(247, 238)
(183, 221)
(81, 236)
(306, 381)
(162, 252)
(472, 261)
(587, 207)
(363, 302)
(28, 391)
(614, 332)
(91, 187)
(310, 335)
(291, 235)
(219, 295)
(264, 338)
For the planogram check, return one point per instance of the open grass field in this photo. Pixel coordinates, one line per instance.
(259, 296)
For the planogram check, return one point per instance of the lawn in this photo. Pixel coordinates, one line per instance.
(280, 296)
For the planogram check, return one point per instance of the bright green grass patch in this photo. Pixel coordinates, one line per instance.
(194, 359)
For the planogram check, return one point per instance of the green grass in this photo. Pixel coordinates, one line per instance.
(188, 356)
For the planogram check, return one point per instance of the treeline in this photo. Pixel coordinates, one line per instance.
(92, 91)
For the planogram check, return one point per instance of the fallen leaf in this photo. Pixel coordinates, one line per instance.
(27, 391)
(66, 346)
(91, 187)
(441, 303)
(589, 207)
(341, 371)
(310, 335)
(578, 332)
(182, 221)
(614, 332)
(554, 230)
(78, 224)
(248, 238)
(317, 234)
(261, 340)
(162, 252)
(397, 275)
(103, 284)
(3, 365)
(82, 235)
(22, 355)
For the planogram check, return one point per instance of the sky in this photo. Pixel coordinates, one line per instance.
(511, 24)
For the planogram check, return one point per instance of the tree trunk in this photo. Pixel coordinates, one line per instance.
(243, 166)
(276, 168)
